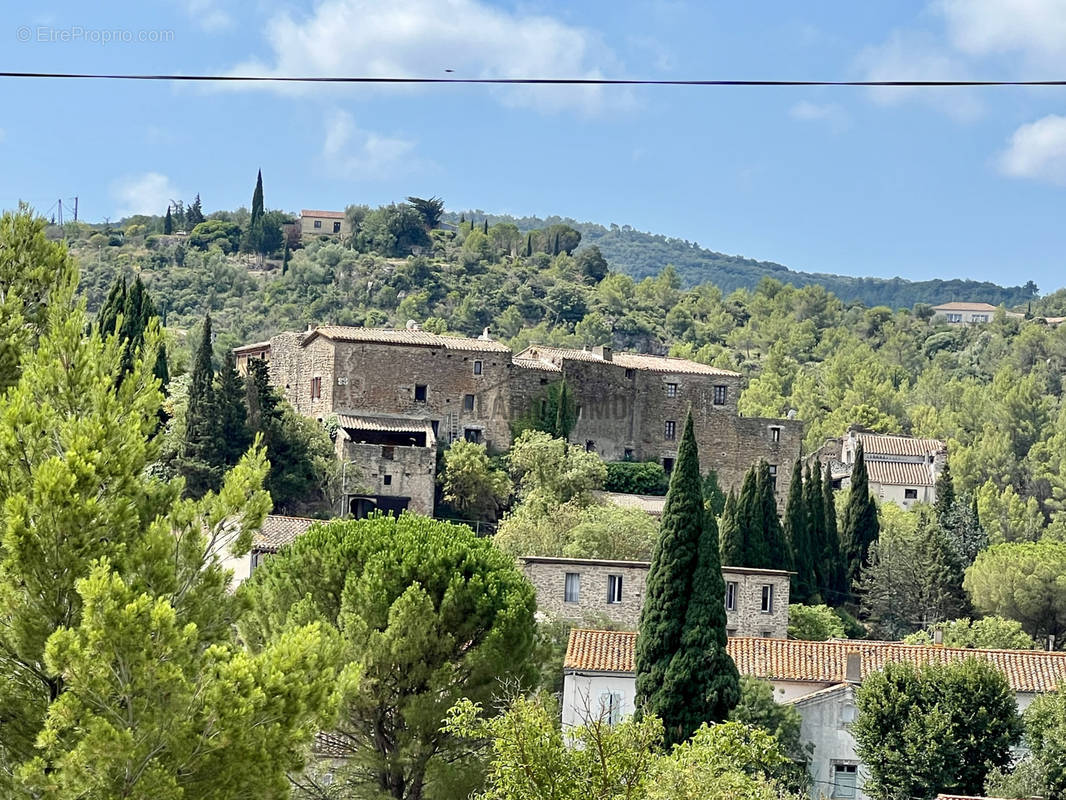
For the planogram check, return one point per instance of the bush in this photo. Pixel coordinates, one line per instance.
(636, 477)
(814, 623)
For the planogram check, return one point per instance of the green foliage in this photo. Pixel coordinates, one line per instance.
(758, 709)
(1045, 733)
(713, 496)
(936, 728)
(636, 477)
(684, 673)
(226, 235)
(471, 484)
(814, 623)
(987, 633)
(234, 437)
(428, 614)
(860, 526)
(797, 531)
(1022, 581)
(549, 472)
(578, 530)
(201, 455)
(754, 535)
(430, 210)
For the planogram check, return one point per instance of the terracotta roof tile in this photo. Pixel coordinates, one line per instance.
(639, 361)
(822, 662)
(385, 423)
(278, 531)
(342, 333)
(962, 306)
(895, 473)
(881, 444)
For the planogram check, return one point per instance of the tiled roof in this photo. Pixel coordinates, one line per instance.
(895, 473)
(535, 363)
(278, 531)
(324, 214)
(341, 333)
(957, 306)
(822, 662)
(640, 361)
(385, 423)
(253, 346)
(586, 562)
(882, 444)
(650, 504)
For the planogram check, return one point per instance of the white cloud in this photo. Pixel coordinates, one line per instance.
(1036, 29)
(356, 153)
(1037, 151)
(207, 14)
(918, 56)
(423, 38)
(144, 193)
(829, 113)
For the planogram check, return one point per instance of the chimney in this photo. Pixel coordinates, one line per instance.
(938, 637)
(1051, 642)
(853, 669)
(603, 351)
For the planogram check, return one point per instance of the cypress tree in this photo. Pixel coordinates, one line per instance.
(777, 553)
(945, 494)
(485, 228)
(684, 673)
(200, 460)
(257, 198)
(861, 527)
(234, 437)
(814, 503)
(803, 582)
(835, 590)
(168, 223)
(713, 496)
(750, 521)
(115, 304)
(731, 545)
(529, 245)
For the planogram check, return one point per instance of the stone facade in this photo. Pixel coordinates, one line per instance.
(629, 406)
(323, 223)
(596, 594)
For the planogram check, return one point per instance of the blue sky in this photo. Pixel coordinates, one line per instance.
(920, 184)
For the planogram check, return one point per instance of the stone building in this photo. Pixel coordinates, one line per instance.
(590, 590)
(901, 469)
(323, 223)
(818, 679)
(629, 406)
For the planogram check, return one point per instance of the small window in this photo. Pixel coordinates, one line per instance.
(668, 465)
(477, 367)
(627, 454)
(765, 634)
(845, 780)
(388, 452)
(336, 227)
(468, 402)
(768, 598)
(316, 388)
(671, 390)
(614, 589)
(670, 430)
(318, 223)
(773, 477)
(775, 434)
(472, 435)
(420, 392)
(910, 494)
(387, 480)
(611, 707)
(590, 446)
(731, 596)
(630, 373)
(720, 393)
(572, 588)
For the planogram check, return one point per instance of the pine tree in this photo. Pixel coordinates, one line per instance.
(200, 461)
(731, 545)
(945, 494)
(195, 214)
(684, 673)
(234, 437)
(168, 223)
(835, 590)
(804, 583)
(861, 527)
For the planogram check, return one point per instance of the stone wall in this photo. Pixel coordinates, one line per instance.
(548, 576)
(410, 472)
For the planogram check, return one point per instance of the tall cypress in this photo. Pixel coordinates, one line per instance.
(168, 223)
(529, 245)
(945, 494)
(114, 305)
(860, 528)
(234, 437)
(778, 553)
(835, 590)
(750, 521)
(804, 583)
(731, 545)
(200, 461)
(257, 198)
(684, 673)
(814, 503)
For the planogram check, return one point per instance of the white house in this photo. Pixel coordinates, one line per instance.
(964, 312)
(901, 469)
(818, 678)
(277, 531)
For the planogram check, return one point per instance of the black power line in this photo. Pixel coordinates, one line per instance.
(511, 81)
